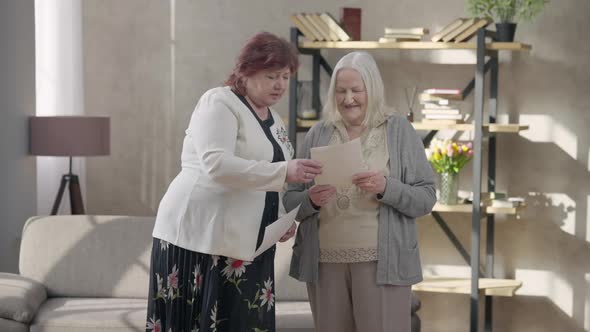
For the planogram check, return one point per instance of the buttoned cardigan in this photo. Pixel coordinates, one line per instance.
(215, 204)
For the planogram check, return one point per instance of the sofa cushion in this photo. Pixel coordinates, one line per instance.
(20, 297)
(88, 256)
(7, 325)
(118, 315)
(91, 314)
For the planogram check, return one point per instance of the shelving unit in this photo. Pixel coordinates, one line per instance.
(467, 208)
(414, 45)
(489, 286)
(433, 125)
(482, 282)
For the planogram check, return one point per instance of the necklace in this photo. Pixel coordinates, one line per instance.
(343, 194)
(343, 202)
(410, 101)
(343, 197)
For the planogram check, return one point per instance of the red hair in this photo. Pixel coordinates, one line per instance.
(263, 51)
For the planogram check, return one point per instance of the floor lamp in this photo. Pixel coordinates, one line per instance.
(69, 136)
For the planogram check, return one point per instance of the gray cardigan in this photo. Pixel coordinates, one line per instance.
(409, 194)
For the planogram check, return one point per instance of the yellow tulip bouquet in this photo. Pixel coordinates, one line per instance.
(447, 156)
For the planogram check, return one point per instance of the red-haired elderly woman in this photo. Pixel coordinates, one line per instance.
(236, 158)
(356, 246)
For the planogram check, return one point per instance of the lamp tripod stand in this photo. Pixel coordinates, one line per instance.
(69, 136)
(76, 203)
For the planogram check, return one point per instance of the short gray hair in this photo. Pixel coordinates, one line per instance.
(363, 63)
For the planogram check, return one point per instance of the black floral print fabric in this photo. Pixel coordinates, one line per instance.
(192, 292)
(196, 292)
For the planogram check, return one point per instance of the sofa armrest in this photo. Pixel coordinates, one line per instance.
(20, 297)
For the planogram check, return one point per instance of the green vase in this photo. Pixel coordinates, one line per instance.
(449, 187)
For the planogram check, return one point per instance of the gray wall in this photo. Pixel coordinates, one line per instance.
(147, 63)
(18, 199)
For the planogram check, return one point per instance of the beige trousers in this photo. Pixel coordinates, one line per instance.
(346, 298)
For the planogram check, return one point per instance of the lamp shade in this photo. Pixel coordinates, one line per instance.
(69, 135)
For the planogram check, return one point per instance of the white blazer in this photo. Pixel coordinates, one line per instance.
(215, 204)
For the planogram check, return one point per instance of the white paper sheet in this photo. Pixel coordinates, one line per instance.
(274, 231)
(340, 162)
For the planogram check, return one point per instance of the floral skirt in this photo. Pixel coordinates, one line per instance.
(190, 291)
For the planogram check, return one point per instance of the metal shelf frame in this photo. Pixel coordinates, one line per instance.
(486, 63)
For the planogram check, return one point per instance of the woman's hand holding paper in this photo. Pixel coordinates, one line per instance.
(370, 181)
(320, 194)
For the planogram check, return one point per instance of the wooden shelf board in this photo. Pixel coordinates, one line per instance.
(432, 125)
(413, 45)
(492, 287)
(468, 208)
(491, 128)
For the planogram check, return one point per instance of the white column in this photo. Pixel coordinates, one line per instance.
(59, 87)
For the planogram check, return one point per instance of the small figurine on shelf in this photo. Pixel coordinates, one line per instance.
(448, 158)
(410, 94)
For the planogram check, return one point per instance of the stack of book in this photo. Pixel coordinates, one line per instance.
(508, 202)
(440, 105)
(460, 30)
(319, 27)
(399, 35)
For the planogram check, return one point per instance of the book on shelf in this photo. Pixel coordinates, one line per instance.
(308, 115)
(510, 202)
(335, 27)
(454, 33)
(447, 96)
(302, 28)
(324, 27)
(425, 96)
(443, 121)
(436, 106)
(319, 28)
(350, 20)
(443, 116)
(403, 35)
(310, 26)
(428, 98)
(399, 35)
(447, 28)
(440, 110)
(472, 30)
(396, 40)
(501, 203)
(406, 31)
(485, 197)
(436, 91)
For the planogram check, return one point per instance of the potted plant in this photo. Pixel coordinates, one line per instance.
(506, 13)
(448, 158)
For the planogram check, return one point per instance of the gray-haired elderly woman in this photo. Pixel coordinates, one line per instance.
(356, 247)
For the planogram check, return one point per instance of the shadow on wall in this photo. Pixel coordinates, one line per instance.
(548, 247)
(440, 313)
(555, 163)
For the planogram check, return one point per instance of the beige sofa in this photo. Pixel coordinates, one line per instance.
(90, 273)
